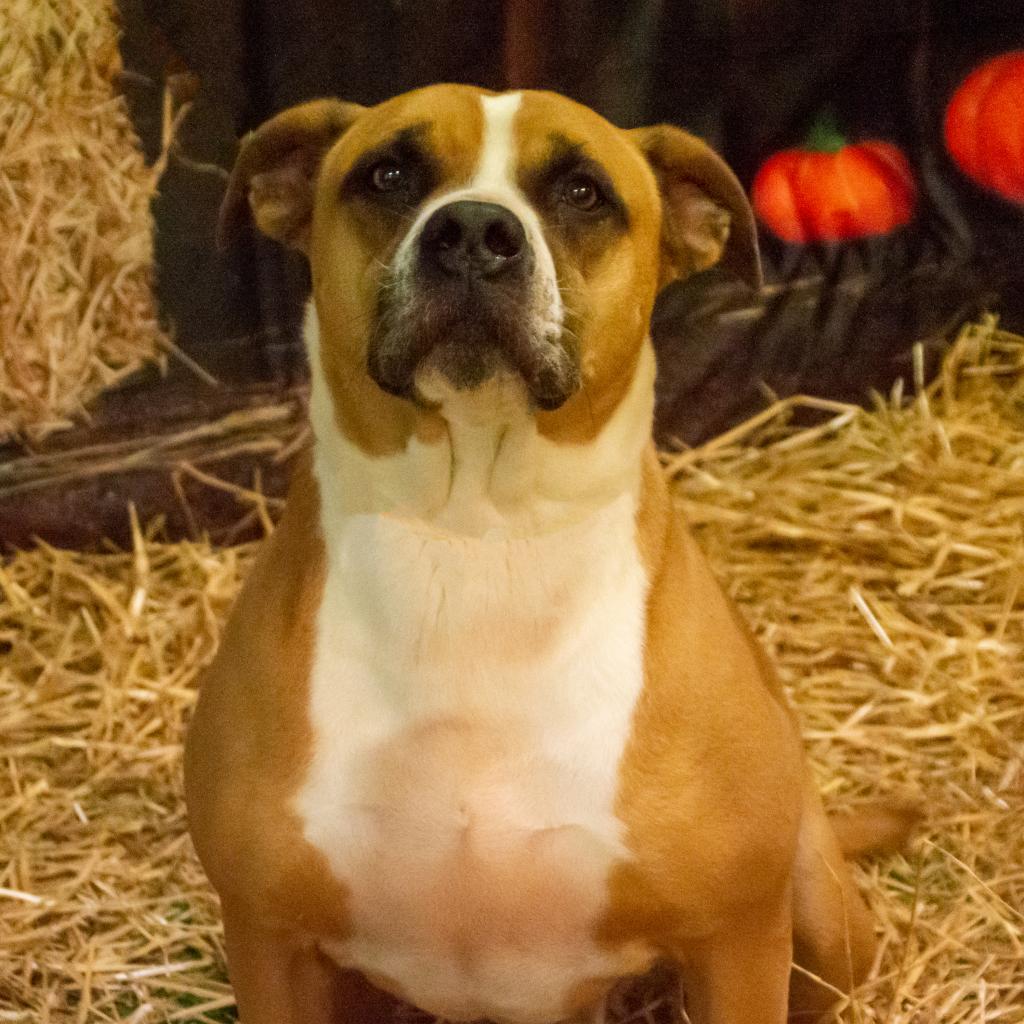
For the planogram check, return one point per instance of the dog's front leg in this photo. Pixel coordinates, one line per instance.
(741, 975)
(280, 979)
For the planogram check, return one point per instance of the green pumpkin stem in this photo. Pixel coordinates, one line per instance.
(825, 136)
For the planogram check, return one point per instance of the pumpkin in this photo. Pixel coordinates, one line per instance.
(830, 191)
(984, 125)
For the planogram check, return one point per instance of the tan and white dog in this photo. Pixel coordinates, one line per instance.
(483, 732)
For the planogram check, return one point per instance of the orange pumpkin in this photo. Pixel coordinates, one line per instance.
(984, 125)
(831, 191)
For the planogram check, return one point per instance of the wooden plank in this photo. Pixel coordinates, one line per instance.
(216, 466)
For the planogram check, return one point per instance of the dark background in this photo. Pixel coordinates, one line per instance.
(750, 75)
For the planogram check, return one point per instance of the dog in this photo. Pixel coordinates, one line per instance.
(483, 732)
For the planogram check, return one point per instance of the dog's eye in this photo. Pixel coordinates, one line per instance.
(387, 176)
(582, 192)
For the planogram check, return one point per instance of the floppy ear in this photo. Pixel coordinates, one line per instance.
(276, 169)
(706, 216)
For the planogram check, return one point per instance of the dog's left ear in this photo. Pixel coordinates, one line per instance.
(706, 216)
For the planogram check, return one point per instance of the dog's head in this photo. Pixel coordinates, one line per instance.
(457, 236)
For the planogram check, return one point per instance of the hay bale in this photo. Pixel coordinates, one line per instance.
(76, 307)
(880, 555)
(103, 910)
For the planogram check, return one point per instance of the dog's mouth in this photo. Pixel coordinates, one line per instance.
(468, 331)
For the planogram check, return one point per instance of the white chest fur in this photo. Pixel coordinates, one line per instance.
(471, 697)
(478, 657)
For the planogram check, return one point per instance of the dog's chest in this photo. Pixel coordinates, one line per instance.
(470, 701)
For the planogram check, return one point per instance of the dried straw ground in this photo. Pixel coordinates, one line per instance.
(76, 308)
(880, 555)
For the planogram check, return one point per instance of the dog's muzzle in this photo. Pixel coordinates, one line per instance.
(462, 298)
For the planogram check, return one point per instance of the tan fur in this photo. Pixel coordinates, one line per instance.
(611, 289)
(728, 863)
(277, 166)
(704, 682)
(239, 780)
(348, 253)
(877, 828)
(708, 219)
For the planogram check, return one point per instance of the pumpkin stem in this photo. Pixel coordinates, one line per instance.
(825, 136)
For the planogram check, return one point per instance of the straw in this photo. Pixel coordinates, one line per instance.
(76, 308)
(879, 555)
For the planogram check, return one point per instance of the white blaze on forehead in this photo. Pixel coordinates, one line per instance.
(497, 161)
(494, 181)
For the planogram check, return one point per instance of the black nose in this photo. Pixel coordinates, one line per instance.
(469, 237)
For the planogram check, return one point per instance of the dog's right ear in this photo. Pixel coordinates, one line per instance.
(276, 169)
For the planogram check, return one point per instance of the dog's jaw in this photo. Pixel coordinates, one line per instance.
(488, 468)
